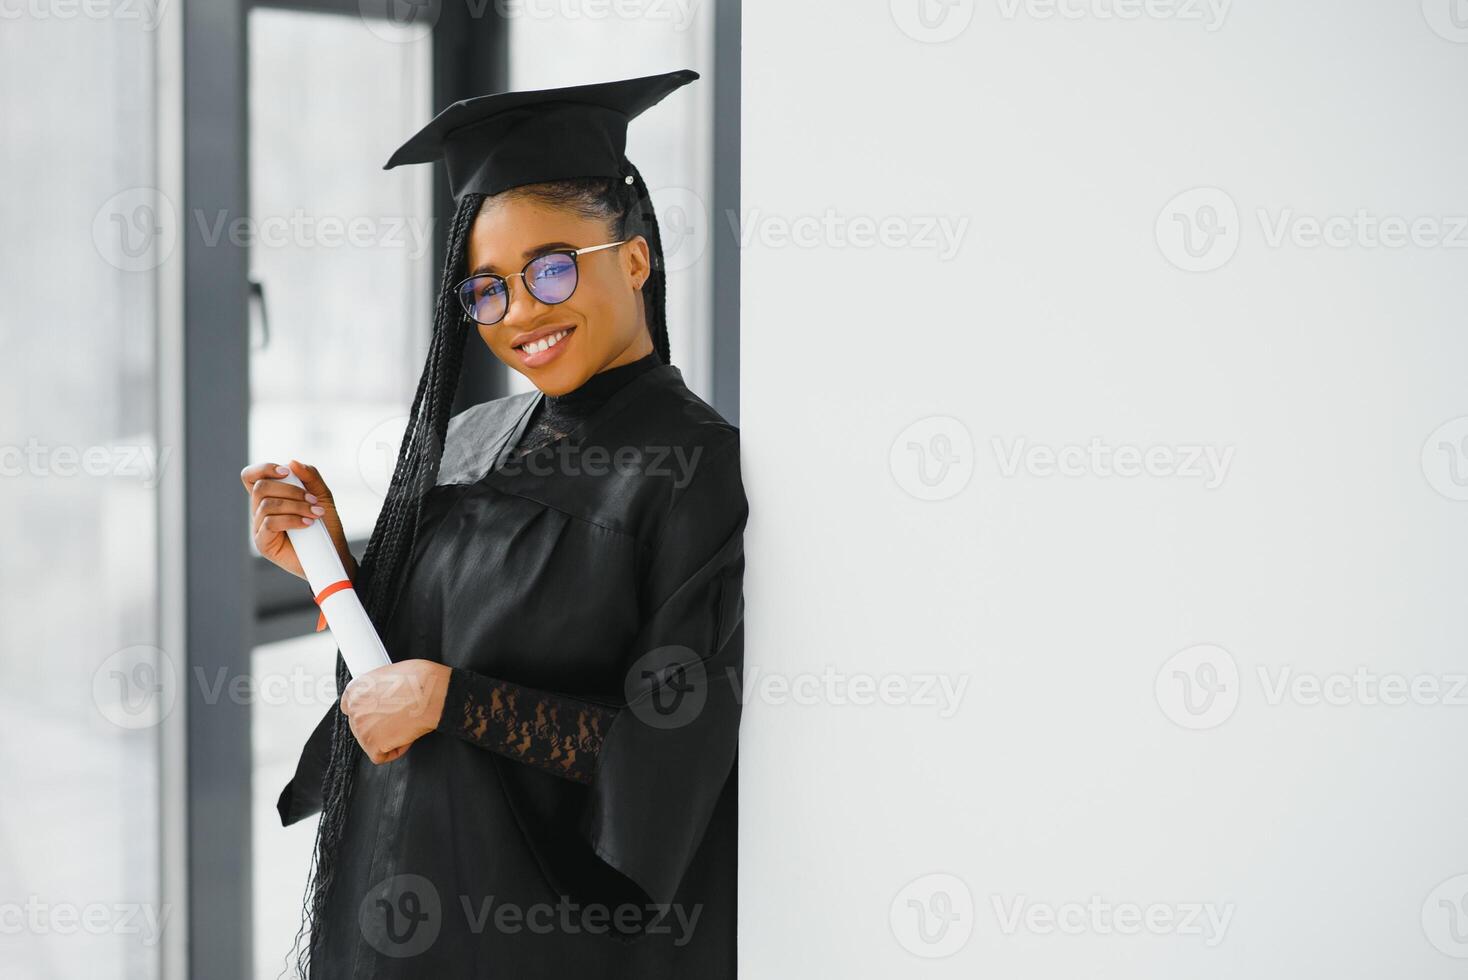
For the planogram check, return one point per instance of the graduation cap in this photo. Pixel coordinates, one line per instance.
(495, 142)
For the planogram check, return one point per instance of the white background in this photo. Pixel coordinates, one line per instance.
(1332, 543)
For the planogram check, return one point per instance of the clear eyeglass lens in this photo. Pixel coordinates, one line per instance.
(483, 298)
(552, 278)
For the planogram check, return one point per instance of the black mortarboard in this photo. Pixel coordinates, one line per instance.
(495, 142)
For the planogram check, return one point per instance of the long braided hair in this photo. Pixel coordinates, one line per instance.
(628, 209)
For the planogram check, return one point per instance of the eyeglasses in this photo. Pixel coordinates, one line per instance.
(550, 278)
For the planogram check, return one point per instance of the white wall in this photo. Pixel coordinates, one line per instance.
(1088, 614)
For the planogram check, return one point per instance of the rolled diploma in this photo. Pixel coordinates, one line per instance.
(352, 629)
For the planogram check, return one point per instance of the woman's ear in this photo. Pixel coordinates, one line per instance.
(637, 258)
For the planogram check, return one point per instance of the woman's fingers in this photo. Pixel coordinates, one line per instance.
(311, 477)
(256, 472)
(281, 513)
(262, 480)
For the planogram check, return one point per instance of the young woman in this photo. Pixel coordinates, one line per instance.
(542, 783)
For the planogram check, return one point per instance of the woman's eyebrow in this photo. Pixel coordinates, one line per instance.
(527, 255)
(531, 253)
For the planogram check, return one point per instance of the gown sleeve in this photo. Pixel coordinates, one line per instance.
(671, 747)
(554, 732)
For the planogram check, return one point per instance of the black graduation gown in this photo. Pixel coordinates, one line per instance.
(607, 566)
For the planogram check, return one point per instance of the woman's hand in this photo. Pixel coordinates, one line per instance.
(391, 707)
(277, 507)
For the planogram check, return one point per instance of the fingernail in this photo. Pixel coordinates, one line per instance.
(318, 511)
(310, 498)
(282, 471)
(307, 520)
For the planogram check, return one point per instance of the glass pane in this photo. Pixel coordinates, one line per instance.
(80, 690)
(670, 145)
(295, 682)
(342, 248)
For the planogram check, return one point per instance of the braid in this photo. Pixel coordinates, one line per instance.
(655, 290)
(379, 578)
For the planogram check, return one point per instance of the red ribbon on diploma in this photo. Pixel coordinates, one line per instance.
(325, 594)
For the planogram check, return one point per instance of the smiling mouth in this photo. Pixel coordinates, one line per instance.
(545, 343)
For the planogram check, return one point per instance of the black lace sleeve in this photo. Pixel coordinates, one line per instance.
(560, 734)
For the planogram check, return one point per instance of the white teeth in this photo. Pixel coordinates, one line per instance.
(544, 343)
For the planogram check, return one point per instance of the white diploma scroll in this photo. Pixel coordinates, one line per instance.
(355, 636)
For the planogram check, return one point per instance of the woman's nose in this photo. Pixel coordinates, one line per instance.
(522, 306)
